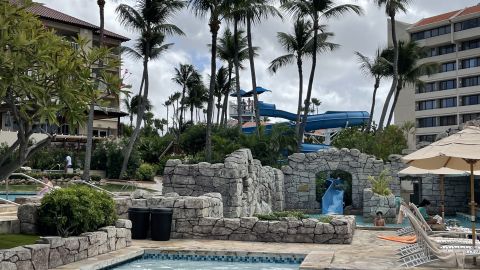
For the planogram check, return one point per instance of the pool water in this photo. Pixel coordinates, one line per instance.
(13, 195)
(154, 264)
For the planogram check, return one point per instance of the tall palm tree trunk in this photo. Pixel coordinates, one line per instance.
(372, 108)
(214, 26)
(191, 114)
(237, 75)
(225, 99)
(140, 113)
(395, 99)
(395, 73)
(91, 112)
(167, 118)
(219, 102)
(310, 82)
(181, 102)
(300, 96)
(254, 77)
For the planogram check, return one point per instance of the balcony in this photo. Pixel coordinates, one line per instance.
(467, 34)
(247, 110)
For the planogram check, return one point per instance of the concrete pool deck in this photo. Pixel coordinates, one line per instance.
(366, 252)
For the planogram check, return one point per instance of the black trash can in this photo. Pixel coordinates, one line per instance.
(140, 218)
(161, 223)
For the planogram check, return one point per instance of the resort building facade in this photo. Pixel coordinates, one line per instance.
(107, 118)
(451, 97)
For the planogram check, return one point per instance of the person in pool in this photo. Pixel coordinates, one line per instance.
(48, 186)
(422, 208)
(379, 221)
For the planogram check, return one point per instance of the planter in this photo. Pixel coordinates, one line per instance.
(373, 203)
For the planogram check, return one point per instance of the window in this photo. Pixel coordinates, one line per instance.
(448, 102)
(468, 24)
(449, 120)
(446, 49)
(426, 138)
(469, 81)
(418, 36)
(445, 67)
(427, 122)
(443, 30)
(469, 63)
(427, 87)
(470, 44)
(426, 105)
(470, 100)
(470, 116)
(449, 84)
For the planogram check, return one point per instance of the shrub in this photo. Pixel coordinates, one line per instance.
(150, 148)
(53, 158)
(108, 156)
(325, 219)
(192, 140)
(283, 214)
(381, 183)
(75, 210)
(145, 172)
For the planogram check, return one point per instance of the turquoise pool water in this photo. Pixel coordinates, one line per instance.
(460, 220)
(13, 195)
(208, 262)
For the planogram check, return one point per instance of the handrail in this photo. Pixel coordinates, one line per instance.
(7, 201)
(96, 187)
(32, 179)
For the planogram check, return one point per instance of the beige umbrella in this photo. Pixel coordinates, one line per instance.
(441, 173)
(460, 151)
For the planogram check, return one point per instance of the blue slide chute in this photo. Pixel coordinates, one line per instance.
(332, 200)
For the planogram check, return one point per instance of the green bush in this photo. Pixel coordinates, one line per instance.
(75, 210)
(53, 158)
(381, 183)
(192, 140)
(150, 148)
(108, 156)
(145, 172)
(280, 215)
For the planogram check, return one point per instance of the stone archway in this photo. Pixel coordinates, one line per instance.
(300, 174)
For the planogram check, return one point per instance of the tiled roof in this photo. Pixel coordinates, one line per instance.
(45, 12)
(435, 19)
(448, 15)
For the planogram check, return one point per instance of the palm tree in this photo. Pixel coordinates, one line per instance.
(128, 106)
(409, 71)
(222, 88)
(167, 104)
(392, 7)
(137, 100)
(150, 18)
(315, 10)
(197, 95)
(375, 68)
(252, 12)
(174, 98)
(226, 52)
(183, 74)
(216, 9)
(300, 45)
(316, 103)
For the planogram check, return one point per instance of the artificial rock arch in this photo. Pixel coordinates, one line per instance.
(301, 171)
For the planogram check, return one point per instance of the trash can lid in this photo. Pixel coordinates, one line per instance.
(161, 210)
(138, 209)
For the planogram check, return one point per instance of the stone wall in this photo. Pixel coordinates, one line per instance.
(202, 217)
(246, 186)
(457, 193)
(51, 252)
(373, 203)
(300, 174)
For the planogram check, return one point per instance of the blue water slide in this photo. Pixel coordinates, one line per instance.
(332, 200)
(331, 119)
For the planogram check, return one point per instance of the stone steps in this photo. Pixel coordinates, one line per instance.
(8, 208)
(9, 224)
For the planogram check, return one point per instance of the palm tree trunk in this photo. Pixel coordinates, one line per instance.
(372, 108)
(225, 99)
(191, 114)
(91, 112)
(167, 118)
(300, 96)
(395, 99)
(237, 75)
(140, 113)
(310, 83)
(214, 26)
(395, 73)
(181, 102)
(219, 102)
(254, 77)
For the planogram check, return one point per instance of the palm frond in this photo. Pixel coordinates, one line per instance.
(281, 62)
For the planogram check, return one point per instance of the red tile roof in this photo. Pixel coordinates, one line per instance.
(50, 14)
(435, 19)
(448, 15)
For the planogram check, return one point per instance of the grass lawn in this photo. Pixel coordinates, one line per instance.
(15, 240)
(19, 188)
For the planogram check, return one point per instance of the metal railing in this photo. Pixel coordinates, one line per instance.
(31, 179)
(95, 187)
(7, 201)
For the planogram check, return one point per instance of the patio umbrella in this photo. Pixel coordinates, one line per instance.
(441, 173)
(460, 151)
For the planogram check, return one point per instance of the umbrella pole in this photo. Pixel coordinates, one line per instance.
(442, 194)
(472, 206)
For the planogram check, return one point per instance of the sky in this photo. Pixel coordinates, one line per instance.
(339, 83)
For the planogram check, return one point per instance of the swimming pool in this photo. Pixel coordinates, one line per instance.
(13, 195)
(208, 262)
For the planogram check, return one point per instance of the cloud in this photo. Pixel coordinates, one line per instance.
(339, 84)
